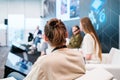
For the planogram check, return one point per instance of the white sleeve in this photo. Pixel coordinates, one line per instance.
(88, 44)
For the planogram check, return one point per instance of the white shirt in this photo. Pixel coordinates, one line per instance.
(88, 47)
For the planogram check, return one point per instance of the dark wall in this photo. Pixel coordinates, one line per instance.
(104, 15)
(119, 7)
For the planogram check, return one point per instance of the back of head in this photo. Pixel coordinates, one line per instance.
(87, 25)
(55, 31)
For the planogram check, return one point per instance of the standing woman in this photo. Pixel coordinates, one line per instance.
(91, 47)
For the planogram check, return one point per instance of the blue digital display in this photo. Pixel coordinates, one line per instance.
(92, 17)
(97, 5)
(102, 16)
(97, 13)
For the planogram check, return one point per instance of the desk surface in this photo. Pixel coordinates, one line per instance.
(17, 63)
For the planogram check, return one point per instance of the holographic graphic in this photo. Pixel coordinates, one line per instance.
(97, 5)
(97, 13)
(102, 16)
(92, 17)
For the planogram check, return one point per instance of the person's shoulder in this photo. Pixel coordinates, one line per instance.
(88, 36)
(74, 51)
(41, 62)
(50, 61)
(40, 59)
(58, 57)
(79, 35)
(46, 59)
